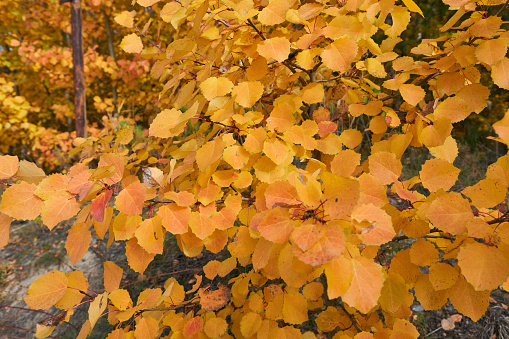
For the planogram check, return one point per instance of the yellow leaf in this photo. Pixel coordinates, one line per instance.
(47, 290)
(339, 276)
(97, 307)
(132, 44)
(442, 276)
(162, 125)
(491, 51)
(216, 87)
(215, 327)
(250, 324)
(500, 73)
(209, 153)
(150, 235)
(487, 193)
(121, 299)
(247, 93)
(147, 3)
(275, 48)
(274, 13)
(393, 293)
(295, 309)
(375, 67)
(484, 267)
(411, 5)
(125, 18)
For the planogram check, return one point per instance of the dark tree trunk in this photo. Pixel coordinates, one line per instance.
(78, 68)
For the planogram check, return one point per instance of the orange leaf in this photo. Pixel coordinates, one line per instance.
(277, 225)
(147, 327)
(484, 267)
(47, 290)
(78, 241)
(427, 296)
(275, 48)
(467, 300)
(438, 174)
(19, 202)
(8, 166)
(487, 193)
(393, 293)
(112, 276)
(5, 224)
(113, 159)
(137, 257)
(453, 108)
(130, 200)
(280, 193)
(339, 55)
(201, 225)
(250, 324)
(381, 229)
(58, 209)
(29, 172)
(367, 282)
(175, 218)
(411, 93)
(295, 309)
(450, 213)
(312, 93)
(442, 275)
(385, 166)
(193, 326)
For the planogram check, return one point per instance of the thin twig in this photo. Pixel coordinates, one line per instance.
(146, 37)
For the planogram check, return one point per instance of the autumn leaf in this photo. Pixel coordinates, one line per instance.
(5, 223)
(58, 209)
(130, 200)
(131, 44)
(340, 54)
(366, 285)
(275, 48)
(8, 166)
(47, 290)
(247, 93)
(78, 241)
(112, 276)
(20, 202)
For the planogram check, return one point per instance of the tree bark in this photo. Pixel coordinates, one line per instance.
(78, 68)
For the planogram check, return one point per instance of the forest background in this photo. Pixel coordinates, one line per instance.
(130, 81)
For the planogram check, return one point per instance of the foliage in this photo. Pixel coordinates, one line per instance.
(281, 140)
